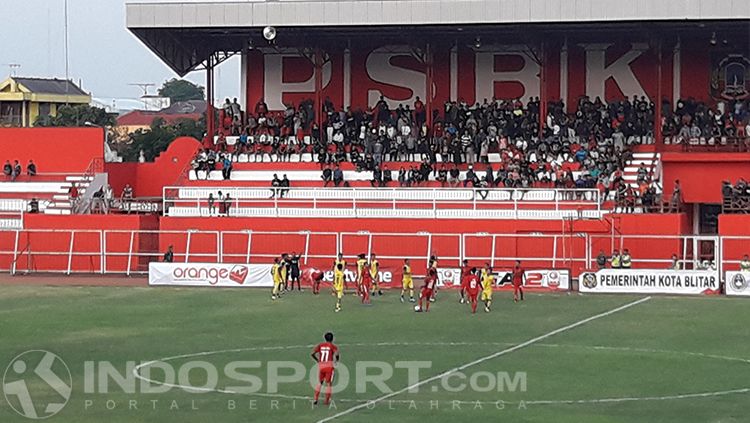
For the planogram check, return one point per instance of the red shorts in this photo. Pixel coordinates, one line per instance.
(517, 284)
(426, 293)
(325, 375)
(473, 294)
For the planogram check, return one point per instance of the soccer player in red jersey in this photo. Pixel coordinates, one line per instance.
(326, 354)
(465, 274)
(428, 289)
(472, 289)
(518, 275)
(366, 285)
(316, 276)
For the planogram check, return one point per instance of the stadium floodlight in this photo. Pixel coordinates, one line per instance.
(478, 42)
(269, 33)
(713, 39)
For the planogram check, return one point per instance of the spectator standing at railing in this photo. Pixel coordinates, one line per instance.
(169, 255)
(109, 197)
(7, 169)
(31, 168)
(471, 177)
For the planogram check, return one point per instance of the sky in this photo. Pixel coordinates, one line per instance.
(104, 55)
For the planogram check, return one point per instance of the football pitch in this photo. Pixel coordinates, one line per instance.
(234, 355)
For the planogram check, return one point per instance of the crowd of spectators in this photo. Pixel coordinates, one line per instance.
(13, 171)
(691, 121)
(586, 148)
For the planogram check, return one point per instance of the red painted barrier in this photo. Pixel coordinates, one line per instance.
(54, 150)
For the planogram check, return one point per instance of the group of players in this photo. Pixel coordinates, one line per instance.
(367, 283)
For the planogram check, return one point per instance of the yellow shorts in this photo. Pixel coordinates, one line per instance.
(487, 295)
(408, 283)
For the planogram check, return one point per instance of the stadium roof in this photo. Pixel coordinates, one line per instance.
(334, 13)
(184, 34)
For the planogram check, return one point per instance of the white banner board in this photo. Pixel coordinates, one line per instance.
(210, 274)
(554, 279)
(650, 281)
(737, 283)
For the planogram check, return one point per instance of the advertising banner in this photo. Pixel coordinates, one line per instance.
(554, 279)
(737, 283)
(646, 281)
(210, 274)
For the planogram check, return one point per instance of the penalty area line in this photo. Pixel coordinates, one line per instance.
(483, 359)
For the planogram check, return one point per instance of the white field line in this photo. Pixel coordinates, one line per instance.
(483, 359)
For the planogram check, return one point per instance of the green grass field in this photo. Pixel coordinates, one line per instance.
(662, 360)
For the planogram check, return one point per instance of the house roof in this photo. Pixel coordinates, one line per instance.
(49, 86)
(146, 118)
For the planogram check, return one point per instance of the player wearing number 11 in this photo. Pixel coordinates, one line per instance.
(326, 354)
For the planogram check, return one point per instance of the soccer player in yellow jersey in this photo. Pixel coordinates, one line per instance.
(338, 285)
(276, 274)
(375, 275)
(339, 260)
(407, 282)
(361, 268)
(487, 282)
(284, 270)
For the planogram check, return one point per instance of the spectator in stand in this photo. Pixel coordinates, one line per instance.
(34, 205)
(377, 178)
(7, 169)
(338, 176)
(73, 197)
(275, 184)
(97, 202)
(387, 177)
(601, 260)
(442, 175)
(169, 255)
(285, 184)
(402, 177)
(109, 197)
(327, 175)
(482, 188)
(471, 177)
(453, 180)
(16, 171)
(220, 199)
(126, 199)
(226, 167)
(31, 168)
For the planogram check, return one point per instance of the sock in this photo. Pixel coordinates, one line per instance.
(317, 392)
(328, 393)
(411, 293)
